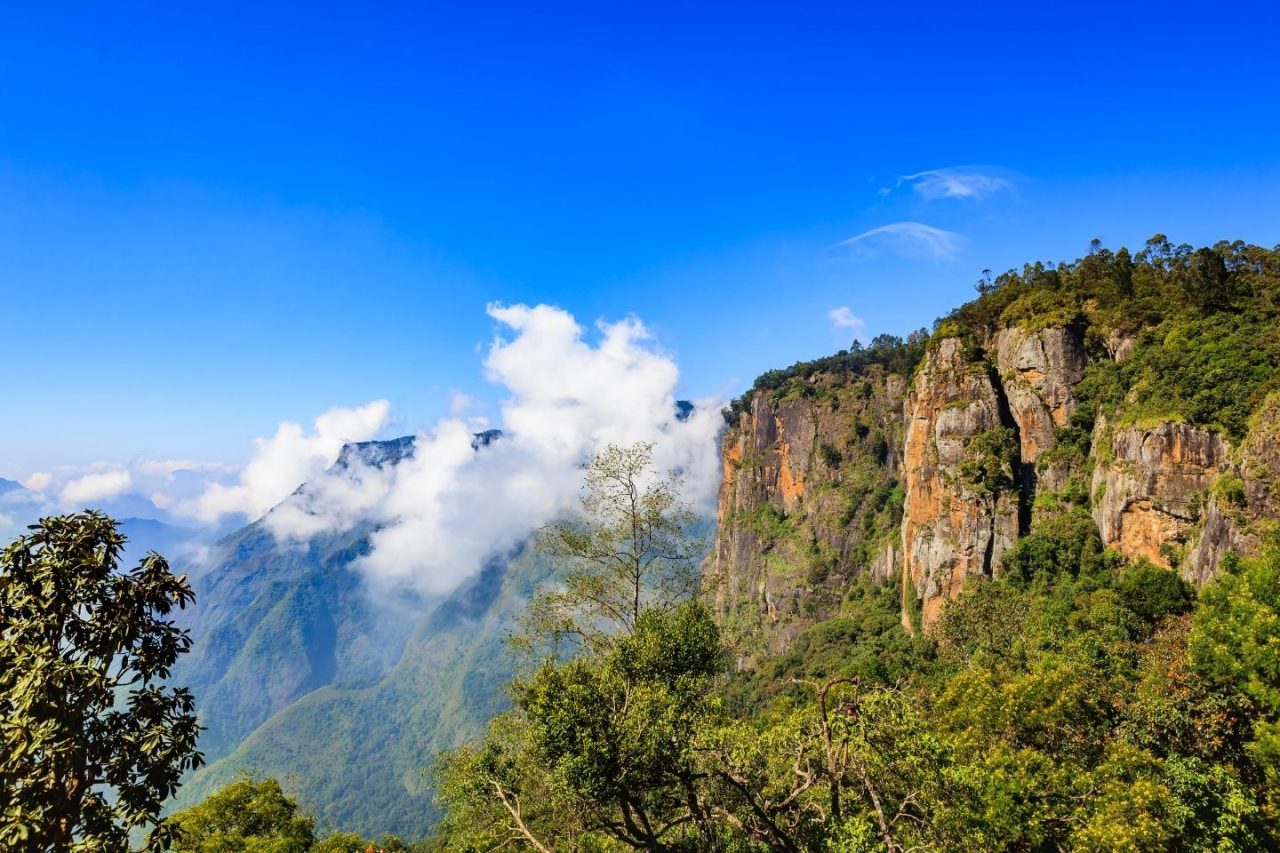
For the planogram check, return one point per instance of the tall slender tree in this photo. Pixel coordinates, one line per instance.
(630, 549)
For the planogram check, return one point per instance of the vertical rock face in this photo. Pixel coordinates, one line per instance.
(1149, 486)
(807, 503)
(1040, 371)
(951, 529)
(1246, 497)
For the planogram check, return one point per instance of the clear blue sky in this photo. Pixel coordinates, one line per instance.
(217, 216)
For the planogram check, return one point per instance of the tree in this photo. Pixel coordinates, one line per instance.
(630, 549)
(92, 741)
(600, 747)
(618, 732)
(247, 816)
(257, 816)
(497, 793)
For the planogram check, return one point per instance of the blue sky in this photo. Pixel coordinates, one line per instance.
(214, 219)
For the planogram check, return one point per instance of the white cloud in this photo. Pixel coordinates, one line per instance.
(442, 513)
(843, 318)
(92, 488)
(288, 459)
(909, 239)
(959, 182)
(39, 481)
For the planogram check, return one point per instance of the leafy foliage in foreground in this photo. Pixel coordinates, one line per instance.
(92, 741)
(1078, 703)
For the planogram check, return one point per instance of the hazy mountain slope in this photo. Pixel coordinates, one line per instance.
(357, 754)
(19, 506)
(176, 543)
(275, 621)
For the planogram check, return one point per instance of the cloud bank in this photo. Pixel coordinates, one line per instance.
(440, 514)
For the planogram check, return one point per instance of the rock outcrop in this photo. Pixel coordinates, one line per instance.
(1150, 484)
(808, 502)
(1245, 499)
(1040, 371)
(951, 527)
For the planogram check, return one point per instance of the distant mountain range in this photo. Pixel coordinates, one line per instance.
(301, 673)
(137, 518)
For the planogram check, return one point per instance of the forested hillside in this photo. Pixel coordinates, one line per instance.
(1135, 390)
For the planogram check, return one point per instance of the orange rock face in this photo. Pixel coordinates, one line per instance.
(790, 521)
(790, 476)
(1157, 491)
(1039, 371)
(950, 530)
(1151, 490)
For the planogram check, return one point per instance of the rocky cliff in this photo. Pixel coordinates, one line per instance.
(810, 500)
(1243, 502)
(1038, 373)
(932, 477)
(1166, 491)
(983, 421)
(1149, 486)
(958, 519)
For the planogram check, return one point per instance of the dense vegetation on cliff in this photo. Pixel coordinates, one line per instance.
(1200, 326)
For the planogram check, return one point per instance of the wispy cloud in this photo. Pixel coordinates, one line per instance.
(460, 403)
(966, 182)
(910, 239)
